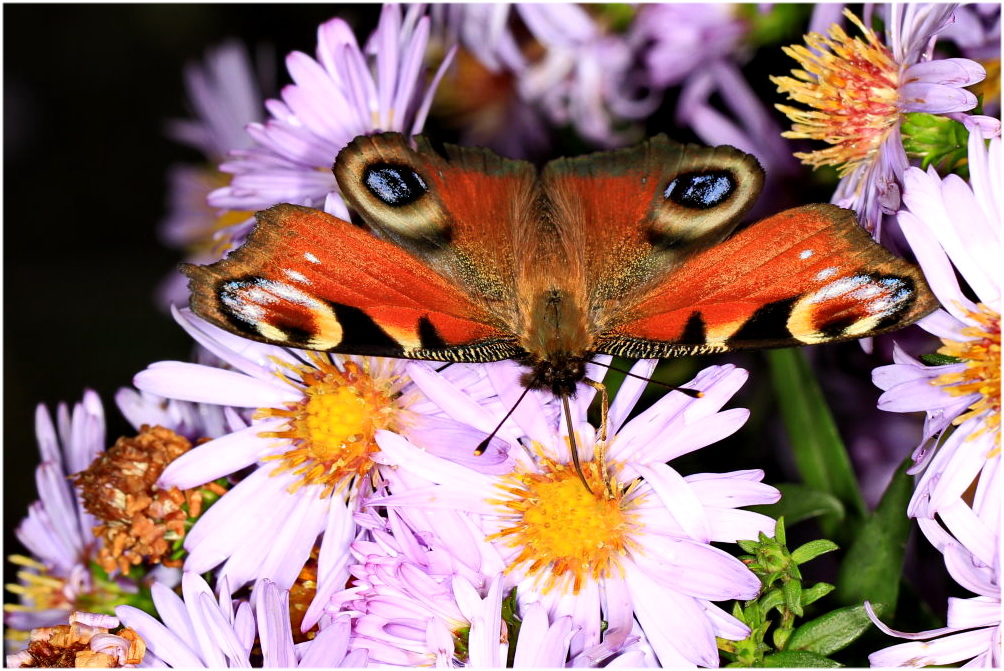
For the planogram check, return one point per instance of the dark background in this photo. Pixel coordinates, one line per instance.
(87, 92)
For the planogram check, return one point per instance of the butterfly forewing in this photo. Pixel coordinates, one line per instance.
(309, 280)
(807, 275)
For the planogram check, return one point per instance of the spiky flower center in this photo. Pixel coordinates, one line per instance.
(563, 531)
(982, 374)
(332, 427)
(851, 87)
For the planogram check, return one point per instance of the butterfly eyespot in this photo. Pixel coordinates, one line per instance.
(701, 190)
(394, 185)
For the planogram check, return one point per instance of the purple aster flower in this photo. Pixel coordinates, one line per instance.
(225, 97)
(57, 530)
(311, 439)
(636, 544)
(191, 420)
(344, 93)
(857, 91)
(954, 227)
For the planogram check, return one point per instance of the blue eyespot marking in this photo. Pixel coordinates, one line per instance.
(701, 190)
(394, 185)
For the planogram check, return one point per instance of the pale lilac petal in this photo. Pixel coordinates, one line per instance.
(203, 384)
(629, 393)
(696, 569)
(161, 641)
(220, 457)
(675, 625)
(952, 71)
(946, 650)
(676, 495)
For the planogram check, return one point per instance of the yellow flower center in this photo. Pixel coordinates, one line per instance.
(851, 87)
(563, 531)
(332, 428)
(982, 374)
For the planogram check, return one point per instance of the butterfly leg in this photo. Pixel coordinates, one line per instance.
(601, 446)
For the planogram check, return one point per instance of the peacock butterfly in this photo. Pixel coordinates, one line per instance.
(471, 257)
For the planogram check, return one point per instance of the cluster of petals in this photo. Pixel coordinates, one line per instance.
(345, 92)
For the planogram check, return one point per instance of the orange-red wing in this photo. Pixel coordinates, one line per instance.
(307, 279)
(806, 275)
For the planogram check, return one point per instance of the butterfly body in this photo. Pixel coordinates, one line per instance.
(471, 257)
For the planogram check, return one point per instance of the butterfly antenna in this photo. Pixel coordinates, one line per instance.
(572, 445)
(483, 445)
(692, 393)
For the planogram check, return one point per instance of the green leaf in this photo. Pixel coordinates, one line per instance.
(813, 549)
(819, 452)
(816, 592)
(936, 140)
(797, 659)
(799, 503)
(831, 632)
(873, 566)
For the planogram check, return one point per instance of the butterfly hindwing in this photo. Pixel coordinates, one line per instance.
(807, 275)
(309, 280)
(639, 213)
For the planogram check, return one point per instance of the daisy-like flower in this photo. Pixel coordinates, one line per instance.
(633, 546)
(954, 227)
(57, 579)
(344, 93)
(857, 91)
(311, 437)
(84, 642)
(200, 630)
(225, 96)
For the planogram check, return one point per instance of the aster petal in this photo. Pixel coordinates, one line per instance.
(235, 517)
(630, 391)
(675, 625)
(332, 560)
(725, 625)
(980, 266)
(283, 558)
(329, 646)
(951, 71)
(159, 640)
(203, 384)
(963, 468)
(696, 569)
(939, 652)
(220, 457)
(676, 495)
(980, 611)
(943, 325)
(729, 526)
(247, 356)
(396, 450)
(938, 270)
(967, 527)
(732, 490)
(274, 631)
(915, 395)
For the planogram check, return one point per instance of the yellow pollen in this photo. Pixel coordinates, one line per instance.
(332, 428)
(982, 375)
(564, 532)
(851, 87)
